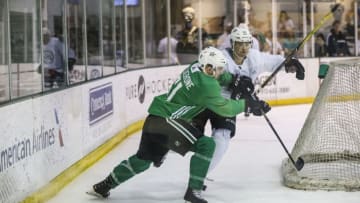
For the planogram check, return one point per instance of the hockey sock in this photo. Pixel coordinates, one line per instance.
(222, 140)
(200, 161)
(128, 168)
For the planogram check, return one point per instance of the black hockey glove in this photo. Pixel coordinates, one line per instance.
(240, 86)
(256, 105)
(294, 65)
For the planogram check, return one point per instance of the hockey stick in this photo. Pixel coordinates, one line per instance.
(299, 46)
(299, 164)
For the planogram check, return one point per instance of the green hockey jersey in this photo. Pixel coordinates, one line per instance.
(192, 93)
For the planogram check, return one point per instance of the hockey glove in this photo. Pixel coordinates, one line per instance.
(240, 86)
(294, 65)
(256, 105)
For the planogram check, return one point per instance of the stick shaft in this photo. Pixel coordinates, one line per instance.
(299, 46)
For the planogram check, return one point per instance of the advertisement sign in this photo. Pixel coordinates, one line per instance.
(142, 86)
(100, 102)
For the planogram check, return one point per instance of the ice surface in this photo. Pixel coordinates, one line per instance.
(249, 173)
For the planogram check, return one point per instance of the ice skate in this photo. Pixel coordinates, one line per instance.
(101, 189)
(193, 196)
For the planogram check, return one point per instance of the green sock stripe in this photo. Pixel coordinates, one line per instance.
(128, 166)
(200, 156)
(198, 178)
(115, 178)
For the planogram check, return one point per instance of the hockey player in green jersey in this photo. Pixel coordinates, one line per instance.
(168, 125)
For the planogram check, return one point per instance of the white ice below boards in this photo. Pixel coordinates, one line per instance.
(249, 173)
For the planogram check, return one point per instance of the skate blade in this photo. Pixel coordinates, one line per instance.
(94, 194)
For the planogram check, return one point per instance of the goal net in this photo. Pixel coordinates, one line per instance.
(329, 142)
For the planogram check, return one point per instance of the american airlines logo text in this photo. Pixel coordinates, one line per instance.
(142, 88)
(27, 147)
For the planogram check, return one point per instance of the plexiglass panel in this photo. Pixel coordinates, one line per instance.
(215, 23)
(93, 39)
(135, 34)
(25, 46)
(54, 58)
(157, 51)
(108, 37)
(4, 68)
(289, 24)
(357, 25)
(120, 36)
(76, 41)
(350, 27)
(261, 25)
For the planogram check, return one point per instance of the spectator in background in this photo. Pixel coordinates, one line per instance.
(258, 39)
(338, 13)
(337, 45)
(189, 38)
(320, 45)
(289, 42)
(223, 41)
(350, 21)
(71, 53)
(53, 60)
(286, 24)
(268, 46)
(163, 49)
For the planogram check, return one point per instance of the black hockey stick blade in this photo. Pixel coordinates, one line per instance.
(299, 164)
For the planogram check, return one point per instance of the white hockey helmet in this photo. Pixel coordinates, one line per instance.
(213, 57)
(189, 10)
(240, 34)
(189, 13)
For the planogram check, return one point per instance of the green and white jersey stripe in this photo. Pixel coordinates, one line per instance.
(192, 93)
(182, 130)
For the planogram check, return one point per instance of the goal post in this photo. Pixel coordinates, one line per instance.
(329, 142)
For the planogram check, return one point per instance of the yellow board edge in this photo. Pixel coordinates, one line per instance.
(283, 102)
(55, 185)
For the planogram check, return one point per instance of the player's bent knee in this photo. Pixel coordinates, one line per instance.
(205, 145)
(139, 165)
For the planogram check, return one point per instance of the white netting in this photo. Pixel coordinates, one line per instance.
(329, 141)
